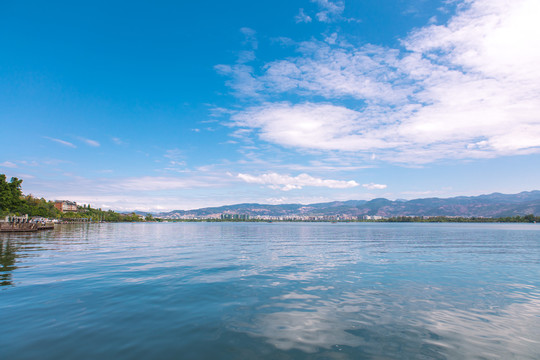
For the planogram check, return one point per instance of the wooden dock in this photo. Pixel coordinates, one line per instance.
(24, 227)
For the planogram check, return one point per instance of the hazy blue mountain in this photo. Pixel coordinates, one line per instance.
(492, 205)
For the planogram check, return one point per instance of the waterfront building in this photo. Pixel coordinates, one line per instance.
(65, 205)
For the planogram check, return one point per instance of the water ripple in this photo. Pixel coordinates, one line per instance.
(267, 291)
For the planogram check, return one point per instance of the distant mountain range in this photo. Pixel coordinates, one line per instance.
(492, 205)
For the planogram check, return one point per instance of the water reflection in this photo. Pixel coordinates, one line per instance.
(307, 324)
(384, 323)
(8, 258)
(302, 291)
(510, 332)
(16, 248)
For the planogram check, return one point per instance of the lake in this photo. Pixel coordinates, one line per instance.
(271, 291)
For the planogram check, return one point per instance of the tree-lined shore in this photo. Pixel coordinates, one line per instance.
(14, 202)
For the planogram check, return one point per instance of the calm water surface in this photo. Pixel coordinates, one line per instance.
(271, 291)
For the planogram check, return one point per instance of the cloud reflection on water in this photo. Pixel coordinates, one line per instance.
(512, 332)
(308, 325)
(386, 323)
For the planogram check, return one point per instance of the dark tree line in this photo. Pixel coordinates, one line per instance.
(12, 201)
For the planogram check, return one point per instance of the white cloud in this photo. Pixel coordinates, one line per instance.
(467, 89)
(319, 126)
(302, 17)
(250, 37)
(174, 154)
(287, 182)
(8, 164)
(329, 10)
(176, 162)
(242, 80)
(90, 142)
(245, 56)
(337, 70)
(155, 183)
(373, 186)
(59, 141)
(149, 193)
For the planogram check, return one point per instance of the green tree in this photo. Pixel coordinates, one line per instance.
(10, 195)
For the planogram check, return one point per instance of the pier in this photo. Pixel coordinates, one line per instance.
(22, 224)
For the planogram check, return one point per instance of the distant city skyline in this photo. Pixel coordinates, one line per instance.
(185, 105)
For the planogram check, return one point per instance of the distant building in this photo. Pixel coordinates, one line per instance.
(372, 217)
(234, 216)
(65, 205)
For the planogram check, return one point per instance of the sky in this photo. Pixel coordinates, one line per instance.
(164, 105)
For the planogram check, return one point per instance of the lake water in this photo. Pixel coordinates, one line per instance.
(271, 291)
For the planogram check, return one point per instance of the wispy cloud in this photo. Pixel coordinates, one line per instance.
(242, 79)
(117, 141)
(241, 74)
(154, 183)
(59, 141)
(143, 193)
(302, 17)
(466, 89)
(287, 182)
(176, 157)
(373, 186)
(8, 164)
(175, 161)
(250, 37)
(329, 11)
(90, 142)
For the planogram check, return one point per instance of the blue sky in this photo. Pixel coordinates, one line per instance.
(180, 105)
